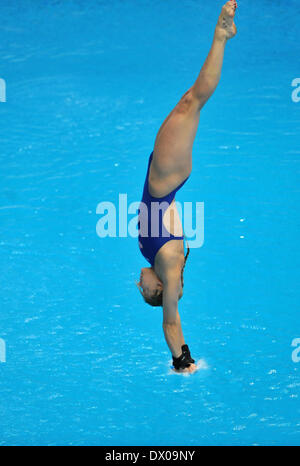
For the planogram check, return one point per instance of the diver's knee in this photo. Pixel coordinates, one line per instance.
(189, 102)
(186, 101)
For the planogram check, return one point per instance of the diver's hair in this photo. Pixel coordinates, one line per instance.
(157, 300)
(185, 259)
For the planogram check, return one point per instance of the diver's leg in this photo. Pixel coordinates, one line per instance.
(174, 141)
(210, 73)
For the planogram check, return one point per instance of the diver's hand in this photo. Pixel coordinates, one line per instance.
(188, 370)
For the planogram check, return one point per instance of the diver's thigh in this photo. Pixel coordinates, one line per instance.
(174, 141)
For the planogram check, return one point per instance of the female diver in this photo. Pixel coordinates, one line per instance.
(170, 165)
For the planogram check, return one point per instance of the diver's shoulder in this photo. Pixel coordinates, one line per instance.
(169, 260)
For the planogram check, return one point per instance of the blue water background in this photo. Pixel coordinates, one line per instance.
(88, 85)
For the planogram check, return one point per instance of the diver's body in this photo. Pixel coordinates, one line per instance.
(169, 167)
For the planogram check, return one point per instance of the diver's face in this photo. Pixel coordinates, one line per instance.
(150, 282)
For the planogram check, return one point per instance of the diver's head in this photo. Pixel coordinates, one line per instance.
(150, 286)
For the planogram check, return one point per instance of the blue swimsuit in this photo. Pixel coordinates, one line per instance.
(152, 232)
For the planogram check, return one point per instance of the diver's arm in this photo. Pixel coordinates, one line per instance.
(170, 274)
(171, 319)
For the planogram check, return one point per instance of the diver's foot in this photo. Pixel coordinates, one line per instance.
(226, 29)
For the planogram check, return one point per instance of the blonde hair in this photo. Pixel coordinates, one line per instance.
(157, 299)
